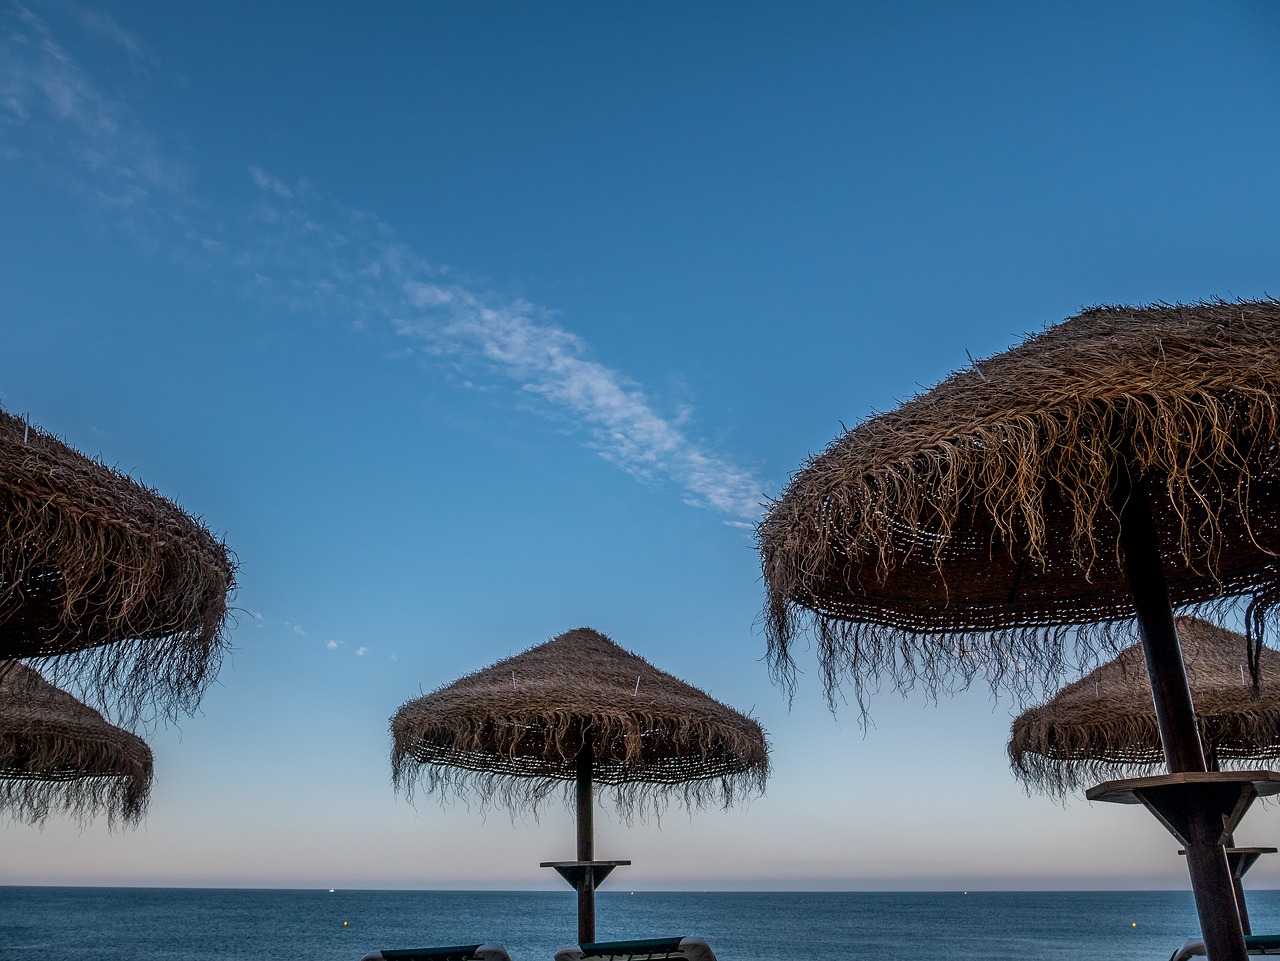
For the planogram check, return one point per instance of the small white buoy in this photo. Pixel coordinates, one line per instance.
(331, 890)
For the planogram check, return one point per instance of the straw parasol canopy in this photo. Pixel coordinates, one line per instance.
(125, 590)
(512, 732)
(1103, 726)
(975, 528)
(59, 754)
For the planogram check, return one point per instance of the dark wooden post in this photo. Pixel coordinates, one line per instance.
(1237, 882)
(586, 846)
(1211, 879)
(1229, 841)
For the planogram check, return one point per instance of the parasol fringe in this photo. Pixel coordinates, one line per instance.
(31, 802)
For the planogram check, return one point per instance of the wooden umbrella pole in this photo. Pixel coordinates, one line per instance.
(1245, 926)
(1206, 860)
(586, 846)
(1237, 883)
(1229, 841)
(1175, 713)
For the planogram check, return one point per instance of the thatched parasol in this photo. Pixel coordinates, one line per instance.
(126, 591)
(59, 754)
(985, 504)
(576, 710)
(1127, 459)
(1104, 725)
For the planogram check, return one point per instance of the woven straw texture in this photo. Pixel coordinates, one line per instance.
(1104, 725)
(57, 754)
(122, 590)
(510, 733)
(983, 505)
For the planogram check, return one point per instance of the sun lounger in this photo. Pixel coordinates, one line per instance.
(644, 949)
(458, 952)
(1254, 943)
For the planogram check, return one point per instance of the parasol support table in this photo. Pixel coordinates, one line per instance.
(1240, 860)
(576, 871)
(1177, 799)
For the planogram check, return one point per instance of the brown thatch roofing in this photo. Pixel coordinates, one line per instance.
(57, 754)
(89, 558)
(1103, 726)
(511, 732)
(983, 506)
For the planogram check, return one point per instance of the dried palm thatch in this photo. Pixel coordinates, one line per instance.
(1104, 725)
(511, 733)
(970, 529)
(125, 592)
(57, 754)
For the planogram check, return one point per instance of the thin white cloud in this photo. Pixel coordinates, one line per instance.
(265, 181)
(361, 651)
(525, 344)
(331, 258)
(332, 645)
(297, 248)
(70, 126)
(102, 24)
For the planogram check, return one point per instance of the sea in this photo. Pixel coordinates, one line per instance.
(183, 924)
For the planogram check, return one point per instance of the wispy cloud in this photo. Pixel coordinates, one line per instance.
(313, 253)
(267, 182)
(320, 255)
(332, 645)
(524, 343)
(103, 25)
(70, 127)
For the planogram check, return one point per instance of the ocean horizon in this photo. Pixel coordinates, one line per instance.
(256, 924)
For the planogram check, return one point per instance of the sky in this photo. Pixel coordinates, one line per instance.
(467, 324)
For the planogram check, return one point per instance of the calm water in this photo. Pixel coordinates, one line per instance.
(142, 924)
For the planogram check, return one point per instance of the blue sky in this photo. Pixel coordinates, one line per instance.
(468, 324)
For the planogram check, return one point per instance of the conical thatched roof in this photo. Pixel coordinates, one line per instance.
(983, 505)
(1104, 725)
(57, 754)
(90, 558)
(511, 732)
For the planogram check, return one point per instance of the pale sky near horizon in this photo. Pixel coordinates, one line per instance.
(467, 324)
